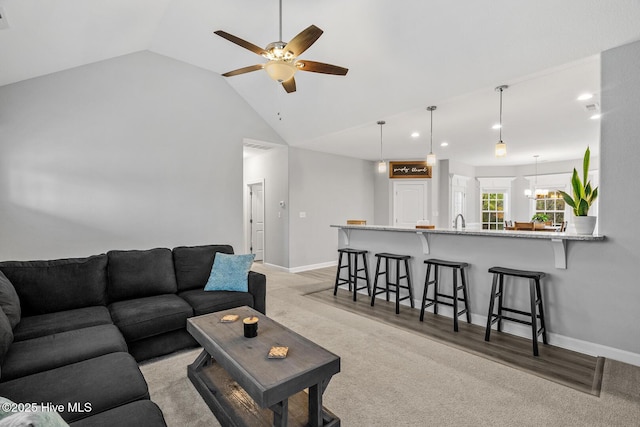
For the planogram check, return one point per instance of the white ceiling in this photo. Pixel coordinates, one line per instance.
(402, 56)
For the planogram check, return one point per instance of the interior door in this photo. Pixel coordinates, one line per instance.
(256, 220)
(409, 203)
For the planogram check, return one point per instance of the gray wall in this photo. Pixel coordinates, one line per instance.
(273, 168)
(133, 152)
(381, 197)
(614, 279)
(330, 189)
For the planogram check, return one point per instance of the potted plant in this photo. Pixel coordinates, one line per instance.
(583, 197)
(540, 220)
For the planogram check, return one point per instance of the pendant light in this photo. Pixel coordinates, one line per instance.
(431, 158)
(537, 191)
(382, 165)
(501, 147)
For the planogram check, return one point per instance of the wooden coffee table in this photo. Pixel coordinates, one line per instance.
(243, 387)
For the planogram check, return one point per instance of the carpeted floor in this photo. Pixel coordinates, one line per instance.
(392, 377)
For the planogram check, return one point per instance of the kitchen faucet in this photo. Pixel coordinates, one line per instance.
(455, 222)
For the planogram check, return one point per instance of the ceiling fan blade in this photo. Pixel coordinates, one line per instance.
(304, 40)
(243, 43)
(289, 85)
(320, 67)
(244, 70)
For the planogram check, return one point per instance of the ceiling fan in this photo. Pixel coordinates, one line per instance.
(283, 57)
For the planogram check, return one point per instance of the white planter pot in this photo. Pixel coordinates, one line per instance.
(584, 224)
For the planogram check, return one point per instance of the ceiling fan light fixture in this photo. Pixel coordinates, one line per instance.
(280, 70)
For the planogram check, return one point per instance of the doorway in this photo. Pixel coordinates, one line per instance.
(409, 202)
(256, 220)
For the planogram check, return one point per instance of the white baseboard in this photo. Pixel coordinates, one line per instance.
(277, 267)
(312, 267)
(562, 341)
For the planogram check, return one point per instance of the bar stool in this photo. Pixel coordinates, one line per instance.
(455, 266)
(535, 300)
(395, 283)
(353, 270)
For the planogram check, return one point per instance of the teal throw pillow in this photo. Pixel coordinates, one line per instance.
(229, 273)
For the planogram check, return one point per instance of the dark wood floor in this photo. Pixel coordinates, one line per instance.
(575, 370)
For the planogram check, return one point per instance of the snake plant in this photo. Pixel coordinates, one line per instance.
(583, 194)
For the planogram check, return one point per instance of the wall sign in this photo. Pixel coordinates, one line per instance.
(413, 170)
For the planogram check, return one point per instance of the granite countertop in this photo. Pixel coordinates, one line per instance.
(486, 233)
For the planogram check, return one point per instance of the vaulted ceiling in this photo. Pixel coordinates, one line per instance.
(402, 57)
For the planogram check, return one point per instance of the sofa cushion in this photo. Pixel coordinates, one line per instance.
(142, 413)
(138, 274)
(102, 383)
(193, 264)
(52, 351)
(9, 301)
(145, 317)
(6, 336)
(258, 288)
(58, 285)
(68, 320)
(229, 273)
(204, 302)
(159, 345)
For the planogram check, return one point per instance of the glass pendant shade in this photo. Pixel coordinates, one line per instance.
(431, 159)
(501, 147)
(280, 71)
(382, 166)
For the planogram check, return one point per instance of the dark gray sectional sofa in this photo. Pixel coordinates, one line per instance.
(73, 330)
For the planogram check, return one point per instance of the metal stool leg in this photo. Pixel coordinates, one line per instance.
(534, 317)
(465, 294)
(355, 276)
(500, 299)
(487, 333)
(455, 299)
(335, 289)
(406, 269)
(541, 309)
(424, 294)
(366, 272)
(397, 284)
(436, 289)
(386, 276)
(375, 283)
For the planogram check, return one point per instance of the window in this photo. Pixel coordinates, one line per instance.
(552, 205)
(493, 208)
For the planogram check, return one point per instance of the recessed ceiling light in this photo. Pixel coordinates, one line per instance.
(415, 134)
(585, 96)
(444, 144)
(595, 116)
(496, 126)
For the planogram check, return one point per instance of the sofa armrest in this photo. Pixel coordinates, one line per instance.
(258, 288)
